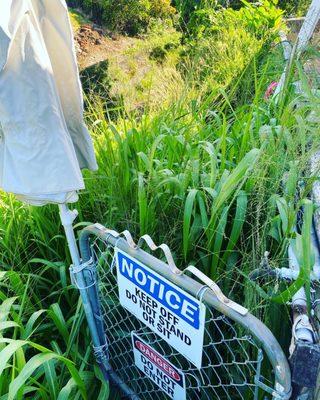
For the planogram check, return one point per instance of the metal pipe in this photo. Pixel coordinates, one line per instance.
(301, 328)
(67, 218)
(304, 36)
(309, 25)
(286, 45)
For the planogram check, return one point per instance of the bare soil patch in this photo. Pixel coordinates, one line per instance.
(94, 44)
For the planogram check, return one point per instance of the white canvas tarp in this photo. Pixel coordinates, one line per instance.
(43, 140)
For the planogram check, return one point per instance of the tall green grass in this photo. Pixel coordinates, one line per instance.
(212, 177)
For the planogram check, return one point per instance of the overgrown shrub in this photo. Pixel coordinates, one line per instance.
(125, 16)
(258, 19)
(187, 7)
(223, 42)
(130, 16)
(162, 9)
(93, 8)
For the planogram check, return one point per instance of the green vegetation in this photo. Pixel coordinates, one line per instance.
(129, 16)
(295, 7)
(222, 43)
(144, 76)
(77, 19)
(197, 158)
(44, 353)
(134, 16)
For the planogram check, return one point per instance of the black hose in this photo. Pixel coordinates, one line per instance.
(86, 255)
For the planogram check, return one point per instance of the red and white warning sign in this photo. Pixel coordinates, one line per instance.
(165, 375)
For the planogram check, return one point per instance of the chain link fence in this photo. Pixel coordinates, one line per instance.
(241, 359)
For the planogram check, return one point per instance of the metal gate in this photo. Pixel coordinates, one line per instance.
(241, 358)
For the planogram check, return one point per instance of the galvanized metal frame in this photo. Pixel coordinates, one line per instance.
(303, 330)
(290, 52)
(261, 334)
(309, 26)
(67, 218)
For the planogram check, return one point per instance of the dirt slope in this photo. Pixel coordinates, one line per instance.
(94, 45)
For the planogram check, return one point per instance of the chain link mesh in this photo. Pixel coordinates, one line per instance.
(232, 361)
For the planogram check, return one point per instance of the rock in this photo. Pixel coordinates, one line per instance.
(85, 28)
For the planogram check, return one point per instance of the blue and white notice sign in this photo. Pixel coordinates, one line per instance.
(173, 314)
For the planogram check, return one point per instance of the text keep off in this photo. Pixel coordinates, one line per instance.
(169, 311)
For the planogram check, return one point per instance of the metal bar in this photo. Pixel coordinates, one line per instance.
(286, 46)
(261, 333)
(300, 331)
(256, 391)
(67, 217)
(124, 387)
(305, 34)
(309, 25)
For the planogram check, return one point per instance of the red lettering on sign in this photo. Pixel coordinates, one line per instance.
(156, 359)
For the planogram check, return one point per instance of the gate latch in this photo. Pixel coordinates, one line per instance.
(305, 362)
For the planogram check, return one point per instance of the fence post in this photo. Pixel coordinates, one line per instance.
(309, 25)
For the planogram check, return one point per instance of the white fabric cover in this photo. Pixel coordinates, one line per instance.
(43, 139)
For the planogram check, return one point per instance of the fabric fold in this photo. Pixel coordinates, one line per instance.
(44, 141)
